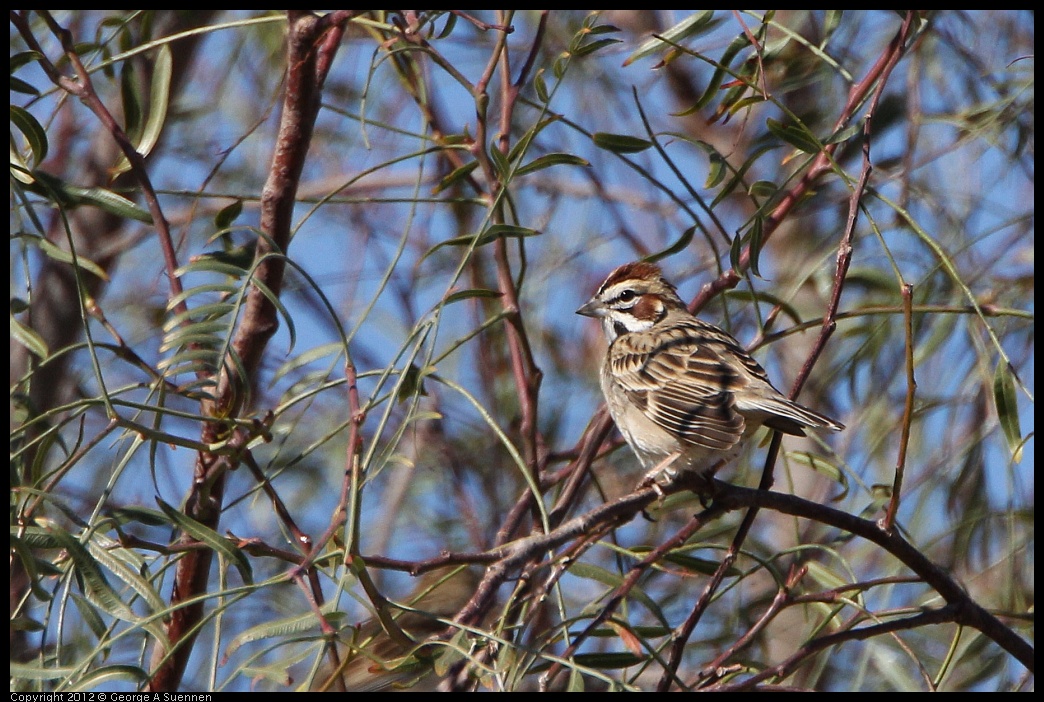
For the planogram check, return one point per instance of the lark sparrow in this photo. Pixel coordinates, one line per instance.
(684, 393)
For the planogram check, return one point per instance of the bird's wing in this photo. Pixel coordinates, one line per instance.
(677, 378)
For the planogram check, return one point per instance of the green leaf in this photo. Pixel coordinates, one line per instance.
(282, 628)
(159, 102)
(27, 337)
(702, 566)
(17, 85)
(22, 58)
(90, 616)
(763, 297)
(500, 162)
(594, 46)
(540, 85)
(842, 135)
(22, 671)
(32, 131)
(211, 538)
(677, 246)
(613, 579)
(735, 252)
(89, 572)
(471, 294)
(457, 174)
(131, 100)
(140, 515)
(228, 214)
(412, 384)
(762, 189)
(720, 73)
(74, 196)
(717, 171)
(620, 143)
(608, 661)
(831, 21)
(108, 675)
(59, 254)
(553, 159)
(819, 465)
(494, 232)
(451, 22)
(1008, 408)
(797, 136)
(602, 29)
(756, 230)
(697, 23)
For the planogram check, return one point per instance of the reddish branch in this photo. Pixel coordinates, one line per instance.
(311, 45)
(874, 81)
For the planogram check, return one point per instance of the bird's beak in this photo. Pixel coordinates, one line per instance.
(592, 308)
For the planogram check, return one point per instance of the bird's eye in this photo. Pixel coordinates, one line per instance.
(627, 295)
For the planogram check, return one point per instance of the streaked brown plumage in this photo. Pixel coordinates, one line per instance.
(684, 393)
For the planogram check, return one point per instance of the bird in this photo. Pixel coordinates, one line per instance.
(685, 394)
(372, 660)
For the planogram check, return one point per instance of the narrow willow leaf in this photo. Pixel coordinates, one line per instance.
(736, 252)
(608, 661)
(108, 675)
(412, 384)
(34, 134)
(93, 578)
(842, 135)
(824, 576)
(140, 515)
(212, 288)
(208, 312)
(540, 85)
(1008, 408)
(612, 579)
(737, 178)
(767, 298)
(125, 564)
(594, 46)
(159, 101)
(23, 671)
(756, 230)
(130, 101)
(59, 254)
(73, 196)
(90, 616)
(22, 58)
(222, 262)
(494, 232)
(211, 538)
(27, 337)
(818, 464)
(500, 162)
(699, 565)
(720, 73)
(228, 214)
(291, 328)
(17, 85)
(683, 241)
(717, 170)
(451, 22)
(620, 143)
(697, 23)
(796, 136)
(471, 294)
(281, 628)
(548, 160)
(454, 176)
(763, 189)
